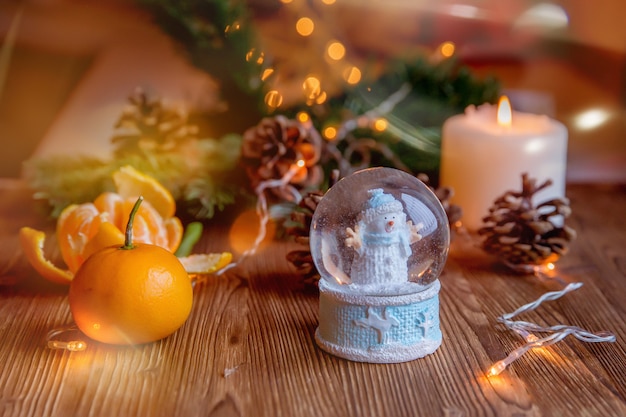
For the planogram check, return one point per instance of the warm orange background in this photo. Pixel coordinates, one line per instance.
(74, 63)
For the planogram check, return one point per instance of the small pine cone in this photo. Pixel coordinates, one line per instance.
(444, 194)
(302, 218)
(522, 235)
(273, 146)
(303, 261)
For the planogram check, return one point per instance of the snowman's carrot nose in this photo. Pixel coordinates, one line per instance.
(390, 222)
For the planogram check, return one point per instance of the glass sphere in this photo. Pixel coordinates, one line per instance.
(379, 231)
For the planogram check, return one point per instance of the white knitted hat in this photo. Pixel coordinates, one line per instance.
(380, 203)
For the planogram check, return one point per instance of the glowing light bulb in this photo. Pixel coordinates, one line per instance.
(505, 116)
(72, 346)
(496, 369)
(305, 26)
(531, 338)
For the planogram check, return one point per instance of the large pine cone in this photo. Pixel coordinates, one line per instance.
(147, 123)
(523, 235)
(273, 146)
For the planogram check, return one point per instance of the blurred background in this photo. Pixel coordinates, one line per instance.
(67, 67)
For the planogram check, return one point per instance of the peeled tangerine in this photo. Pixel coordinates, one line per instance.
(83, 229)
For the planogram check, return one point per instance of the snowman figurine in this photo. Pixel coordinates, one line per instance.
(381, 240)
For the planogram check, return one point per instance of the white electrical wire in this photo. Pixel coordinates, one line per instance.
(556, 333)
(262, 209)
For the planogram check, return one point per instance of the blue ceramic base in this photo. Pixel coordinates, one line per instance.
(379, 329)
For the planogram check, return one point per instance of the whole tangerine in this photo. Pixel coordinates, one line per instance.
(130, 294)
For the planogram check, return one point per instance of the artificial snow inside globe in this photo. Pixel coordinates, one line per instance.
(379, 239)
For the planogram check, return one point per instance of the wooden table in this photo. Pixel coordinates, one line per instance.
(248, 348)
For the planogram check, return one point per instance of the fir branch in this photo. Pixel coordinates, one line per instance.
(197, 173)
(436, 92)
(65, 180)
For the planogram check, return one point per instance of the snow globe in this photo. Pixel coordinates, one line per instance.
(379, 239)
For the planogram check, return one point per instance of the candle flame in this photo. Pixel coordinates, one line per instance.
(504, 112)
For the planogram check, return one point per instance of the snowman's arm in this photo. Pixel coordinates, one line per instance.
(414, 229)
(354, 238)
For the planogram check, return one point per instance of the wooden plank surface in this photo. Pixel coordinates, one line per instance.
(248, 347)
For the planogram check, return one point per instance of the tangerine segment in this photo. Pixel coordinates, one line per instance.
(131, 296)
(131, 183)
(107, 235)
(174, 228)
(206, 263)
(32, 243)
(76, 225)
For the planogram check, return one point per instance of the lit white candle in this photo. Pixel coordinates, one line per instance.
(485, 151)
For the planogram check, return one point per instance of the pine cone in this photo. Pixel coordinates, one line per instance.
(148, 124)
(522, 235)
(302, 218)
(444, 194)
(273, 146)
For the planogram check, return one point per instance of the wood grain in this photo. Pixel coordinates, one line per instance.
(248, 348)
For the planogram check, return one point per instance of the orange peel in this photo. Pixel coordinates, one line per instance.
(32, 242)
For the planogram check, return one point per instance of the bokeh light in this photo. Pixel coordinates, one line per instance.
(380, 124)
(330, 132)
(233, 27)
(312, 87)
(447, 49)
(267, 72)
(273, 99)
(336, 50)
(321, 98)
(255, 56)
(303, 117)
(591, 118)
(352, 75)
(305, 26)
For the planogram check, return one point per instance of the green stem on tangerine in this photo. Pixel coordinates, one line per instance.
(128, 239)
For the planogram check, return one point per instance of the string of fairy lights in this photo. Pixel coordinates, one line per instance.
(314, 82)
(317, 33)
(529, 331)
